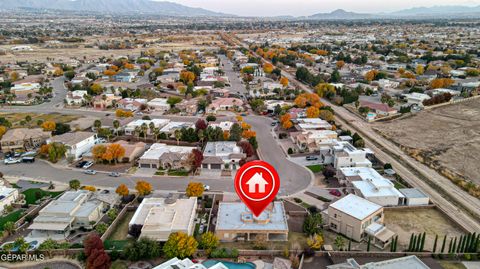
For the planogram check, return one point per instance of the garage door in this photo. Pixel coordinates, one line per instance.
(144, 165)
(216, 166)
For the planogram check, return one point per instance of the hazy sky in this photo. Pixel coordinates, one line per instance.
(309, 7)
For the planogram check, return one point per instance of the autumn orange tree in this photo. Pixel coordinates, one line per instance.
(308, 99)
(195, 189)
(96, 88)
(324, 89)
(89, 188)
(114, 152)
(286, 122)
(3, 130)
(120, 113)
(268, 68)
(441, 83)
(49, 126)
(143, 188)
(98, 151)
(284, 82)
(187, 76)
(122, 190)
(247, 134)
(312, 112)
(370, 75)
(340, 64)
(109, 72)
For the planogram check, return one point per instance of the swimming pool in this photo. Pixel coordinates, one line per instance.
(230, 265)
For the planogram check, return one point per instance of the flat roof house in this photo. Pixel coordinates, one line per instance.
(218, 154)
(236, 222)
(159, 104)
(74, 209)
(346, 155)
(407, 262)
(159, 217)
(131, 127)
(164, 156)
(186, 263)
(358, 218)
(369, 184)
(7, 196)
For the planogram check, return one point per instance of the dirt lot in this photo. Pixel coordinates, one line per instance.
(446, 138)
(16, 118)
(428, 220)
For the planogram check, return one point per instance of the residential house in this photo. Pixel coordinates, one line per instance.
(357, 219)
(186, 263)
(7, 196)
(314, 140)
(307, 124)
(172, 126)
(224, 125)
(132, 127)
(72, 210)
(159, 105)
(77, 143)
(379, 108)
(159, 217)
(132, 151)
(132, 104)
(189, 106)
(165, 156)
(104, 101)
(75, 97)
(222, 154)
(343, 154)
(225, 104)
(236, 222)
(369, 184)
(411, 261)
(23, 139)
(416, 98)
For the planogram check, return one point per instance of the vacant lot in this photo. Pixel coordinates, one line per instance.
(17, 119)
(428, 220)
(446, 138)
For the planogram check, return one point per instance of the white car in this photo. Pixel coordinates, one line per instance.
(12, 161)
(88, 165)
(206, 187)
(90, 172)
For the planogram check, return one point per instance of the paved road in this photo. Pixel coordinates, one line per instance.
(42, 171)
(236, 85)
(294, 178)
(459, 205)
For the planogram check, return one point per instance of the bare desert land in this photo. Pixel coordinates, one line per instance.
(445, 138)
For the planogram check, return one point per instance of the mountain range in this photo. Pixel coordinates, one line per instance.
(164, 8)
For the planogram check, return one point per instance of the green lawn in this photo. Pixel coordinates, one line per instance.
(13, 217)
(116, 244)
(31, 197)
(317, 168)
(398, 185)
(179, 173)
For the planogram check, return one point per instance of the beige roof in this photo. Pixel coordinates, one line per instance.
(72, 138)
(24, 133)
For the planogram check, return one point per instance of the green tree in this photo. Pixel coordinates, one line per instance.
(9, 227)
(208, 242)
(142, 249)
(112, 214)
(180, 245)
(443, 244)
(173, 100)
(101, 228)
(235, 132)
(313, 224)
(74, 184)
(48, 245)
(434, 249)
(339, 242)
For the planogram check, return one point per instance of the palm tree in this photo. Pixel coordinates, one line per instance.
(156, 132)
(144, 128)
(178, 136)
(151, 126)
(201, 136)
(116, 125)
(138, 131)
(97, 124)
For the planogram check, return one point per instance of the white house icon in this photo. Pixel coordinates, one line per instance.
(257, 179)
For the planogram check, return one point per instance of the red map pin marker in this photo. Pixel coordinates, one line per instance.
(257, 184)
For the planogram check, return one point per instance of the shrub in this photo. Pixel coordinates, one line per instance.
(224, 253)
(297, 200)
(290, 151)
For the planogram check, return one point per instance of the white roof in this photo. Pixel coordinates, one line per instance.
(176, 125)
(372, 184)
(410, 262)
(186, 263)
(158, 149)
(356, 206)
(237, 217)
(158, 102)
(156, 122)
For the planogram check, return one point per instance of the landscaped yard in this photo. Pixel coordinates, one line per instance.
(33, 195)
(317, 168)
(428, 220)
(13, 217)
(295, 241)
(120, 232)
(179, 173)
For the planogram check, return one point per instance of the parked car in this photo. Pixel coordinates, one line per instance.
(90, 172)
(114, 174)
(311, 158)
(81, 164)
(335, 192)
(274, 123)
(12, 161)
(28, 159)
(88, 165)
(206, 187)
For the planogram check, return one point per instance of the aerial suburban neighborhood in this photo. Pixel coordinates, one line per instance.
(128, 130)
